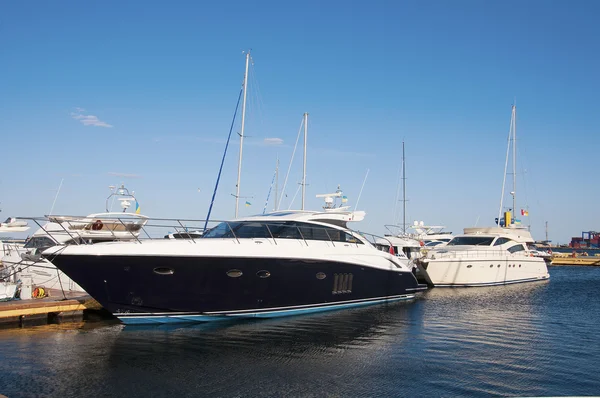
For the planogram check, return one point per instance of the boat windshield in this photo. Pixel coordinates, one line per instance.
(279, 230)
(471, 241)
(39, 242)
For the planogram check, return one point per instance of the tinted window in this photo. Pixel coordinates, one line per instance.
(471, 241)
(249, 230)
(40, 242)
(501, 241)
(222, 230)
(310, 232)
(516, 248)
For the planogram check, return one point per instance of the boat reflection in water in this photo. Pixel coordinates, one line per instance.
(504, 340)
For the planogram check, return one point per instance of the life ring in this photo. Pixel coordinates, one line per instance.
(97, 226)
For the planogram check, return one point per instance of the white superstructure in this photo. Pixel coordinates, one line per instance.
(483, 257)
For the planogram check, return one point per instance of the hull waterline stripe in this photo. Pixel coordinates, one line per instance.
(170, 317)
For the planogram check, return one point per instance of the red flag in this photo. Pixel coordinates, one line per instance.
(392, 251)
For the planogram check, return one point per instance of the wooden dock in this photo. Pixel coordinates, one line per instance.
(54, 309)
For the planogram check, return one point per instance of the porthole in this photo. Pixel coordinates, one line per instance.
(234, 273)
(263, 274)
(491, 265)
(498, 265)
(321, 275)
(469, 266)
(519, 265)
(163, 271)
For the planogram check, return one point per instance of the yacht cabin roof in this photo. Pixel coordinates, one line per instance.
(333, 217)
(520, 235)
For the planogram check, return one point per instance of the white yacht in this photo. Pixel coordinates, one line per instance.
(398, 243)
(484, 257)
(8, 288)
(489, 256)
(24, 261)
(13, 225)
(430, 235)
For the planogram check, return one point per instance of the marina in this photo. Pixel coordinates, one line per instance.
(459, 342)
(170, 230)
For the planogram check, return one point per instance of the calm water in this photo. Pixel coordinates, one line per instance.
(531, 339)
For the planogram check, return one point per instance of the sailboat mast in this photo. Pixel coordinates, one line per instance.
(514, 158)
(403, 191)
(304, 165)
(276, 183)
(237, 185)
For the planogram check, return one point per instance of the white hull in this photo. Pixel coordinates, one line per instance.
(42, 272)
(486, 271)
(7, 290)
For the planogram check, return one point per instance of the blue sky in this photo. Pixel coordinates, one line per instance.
(101, 93)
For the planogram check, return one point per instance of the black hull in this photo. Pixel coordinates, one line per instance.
(138, 285)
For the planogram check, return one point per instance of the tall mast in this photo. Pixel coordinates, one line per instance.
(237, 186)
(276, 183)
(510, 137)
(514, 157)
(403, 191)
(304, 165)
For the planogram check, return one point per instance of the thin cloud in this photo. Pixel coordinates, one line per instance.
(88, 120)
(273, 141)
(126, 175)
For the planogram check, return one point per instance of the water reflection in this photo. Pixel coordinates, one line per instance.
(530, 339)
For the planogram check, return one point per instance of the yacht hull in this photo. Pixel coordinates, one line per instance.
(466, 272)
(168, 289)
(42, 272)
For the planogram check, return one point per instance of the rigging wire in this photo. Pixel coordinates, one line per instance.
(269, 194)
(256, 93)
(212, 201)
(361, 189)
(291, 161)
(294, 198)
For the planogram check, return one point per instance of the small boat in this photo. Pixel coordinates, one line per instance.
(25, 262)
(13, 225)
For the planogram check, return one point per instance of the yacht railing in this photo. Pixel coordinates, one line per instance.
(163, 228)
(470, 254)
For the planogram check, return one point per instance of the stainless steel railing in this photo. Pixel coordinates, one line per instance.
(80, 230)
